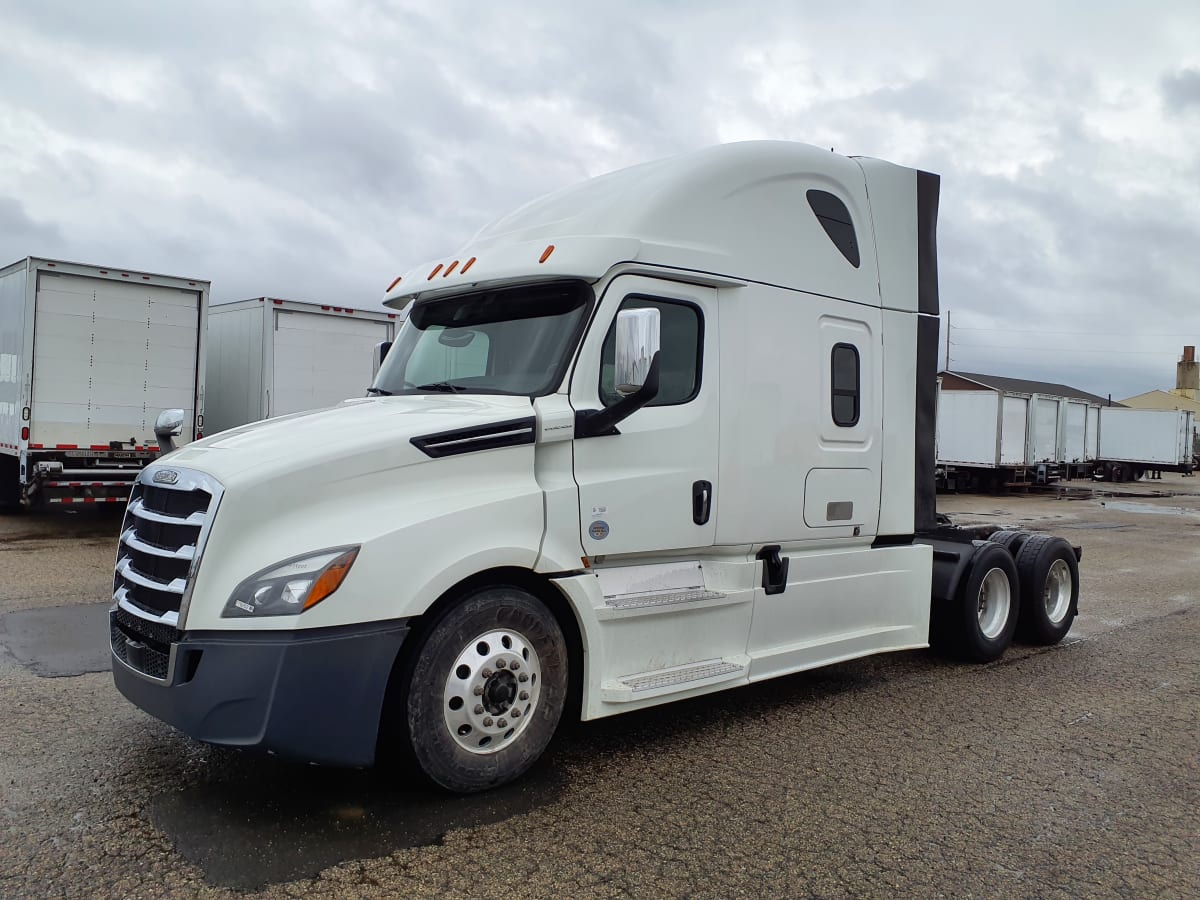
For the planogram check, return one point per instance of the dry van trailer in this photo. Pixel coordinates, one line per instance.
(1136, 441)
(89, 355)
(271, 357)
(988, 439)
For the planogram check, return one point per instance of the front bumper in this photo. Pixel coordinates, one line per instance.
(313, 695)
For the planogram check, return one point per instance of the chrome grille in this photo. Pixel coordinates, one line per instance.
(161, 539)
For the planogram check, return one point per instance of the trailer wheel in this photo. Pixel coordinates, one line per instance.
(486, 690)
(1050, 585)
(1008, 539)
(985, 615)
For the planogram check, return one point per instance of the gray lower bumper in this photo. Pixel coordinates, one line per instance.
(316, 696)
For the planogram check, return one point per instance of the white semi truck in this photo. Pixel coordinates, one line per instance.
(661, 434)
(273, 357)
(89, 356)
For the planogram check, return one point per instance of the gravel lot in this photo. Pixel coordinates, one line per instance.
(1062, 772)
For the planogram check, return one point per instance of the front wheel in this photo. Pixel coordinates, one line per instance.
(486, 690)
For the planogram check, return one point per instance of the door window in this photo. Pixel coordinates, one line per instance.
(845, 382)
(679, 364)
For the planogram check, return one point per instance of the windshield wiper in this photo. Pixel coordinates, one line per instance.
(442, 387)
(380, 391)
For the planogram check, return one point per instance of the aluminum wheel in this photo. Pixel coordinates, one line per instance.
(1058, 590)
(491, 691)
(994, 603)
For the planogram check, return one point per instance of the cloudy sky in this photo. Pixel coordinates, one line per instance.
(314, 150)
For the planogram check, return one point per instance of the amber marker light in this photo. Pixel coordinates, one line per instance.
(399, 278)
(470, 262)
(546, 253)
(450, 268)
(436, 269)
(331, 579)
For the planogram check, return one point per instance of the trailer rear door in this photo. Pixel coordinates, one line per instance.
(1013, 431)
(108, 357)
(320, 360)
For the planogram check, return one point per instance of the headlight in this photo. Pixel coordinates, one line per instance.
(291, 587)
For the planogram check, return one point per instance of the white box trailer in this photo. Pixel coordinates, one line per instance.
(1005, 432)
(89, 356)
(269, 357)
(1133, 441)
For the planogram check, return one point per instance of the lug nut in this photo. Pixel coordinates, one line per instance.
(514, 665)
(524, 695)
(516, 714)
(479, 709)
(488, 673)
(502, 723)
(487, 723)
(522, 677)
(478, 690)
(500, 664)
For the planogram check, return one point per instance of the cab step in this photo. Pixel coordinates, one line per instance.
(666, 601)
(689, 676)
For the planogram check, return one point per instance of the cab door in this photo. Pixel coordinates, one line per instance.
(652, 487)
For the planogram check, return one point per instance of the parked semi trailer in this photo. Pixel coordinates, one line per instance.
(270, 357)
(89, 356)
(665, 433)
(1136, 441)
(987, 439)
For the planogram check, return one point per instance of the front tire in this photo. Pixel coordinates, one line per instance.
(486, 690)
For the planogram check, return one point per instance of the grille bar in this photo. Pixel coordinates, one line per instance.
(130, 539)
(138, 508)
(126, 570)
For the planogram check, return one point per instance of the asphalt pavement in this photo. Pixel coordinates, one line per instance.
(1058, 772)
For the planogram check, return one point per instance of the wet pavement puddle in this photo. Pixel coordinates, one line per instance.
(1149, 508)
(280, 822)
(59, 641)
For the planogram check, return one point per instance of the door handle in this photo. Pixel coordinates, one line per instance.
(701, 501)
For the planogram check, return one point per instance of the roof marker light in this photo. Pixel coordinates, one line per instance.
(277, 302)
(436, 269)
(450, 268)
(546, 253)
(399, 278)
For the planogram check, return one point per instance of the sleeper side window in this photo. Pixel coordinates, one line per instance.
(845, 371)
(681, 348)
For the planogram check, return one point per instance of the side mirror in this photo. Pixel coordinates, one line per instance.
(379, 355)
(168, 424)
(635, 372)
(638, 337)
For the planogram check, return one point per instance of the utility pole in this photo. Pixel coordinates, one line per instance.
(946, 367)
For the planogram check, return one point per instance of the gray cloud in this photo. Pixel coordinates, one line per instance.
(318, 151)
(1182, 89)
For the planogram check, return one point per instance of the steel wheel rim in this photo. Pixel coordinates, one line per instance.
(1057, 594)
(492, 691)
(993, 603)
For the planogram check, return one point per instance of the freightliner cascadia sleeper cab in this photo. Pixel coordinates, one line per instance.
(661, 434)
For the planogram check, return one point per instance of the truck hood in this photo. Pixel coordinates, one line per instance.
(355, 437)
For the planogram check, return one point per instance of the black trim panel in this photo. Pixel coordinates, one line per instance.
(925, 500)
(928, 190)
(511, 433)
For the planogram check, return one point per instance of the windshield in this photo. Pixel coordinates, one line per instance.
(515, 341)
